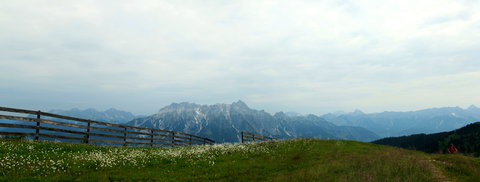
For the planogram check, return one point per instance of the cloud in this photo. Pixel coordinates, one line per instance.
(423, 93)
(304, 56)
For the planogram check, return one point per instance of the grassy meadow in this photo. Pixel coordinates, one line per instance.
(285, 160)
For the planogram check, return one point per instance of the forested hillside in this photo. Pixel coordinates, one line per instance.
(466, 139)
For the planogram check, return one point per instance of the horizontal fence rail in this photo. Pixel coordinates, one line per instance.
(56, 126)
(252, 137)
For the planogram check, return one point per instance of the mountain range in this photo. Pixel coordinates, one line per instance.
(388, 124)
(224, 122)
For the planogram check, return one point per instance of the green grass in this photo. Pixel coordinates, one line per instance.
(459, 167)
(289, 160)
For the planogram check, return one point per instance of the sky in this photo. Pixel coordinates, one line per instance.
(304, 56)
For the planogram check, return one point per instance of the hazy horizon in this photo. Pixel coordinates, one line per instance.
(301, 56)
(46, 109)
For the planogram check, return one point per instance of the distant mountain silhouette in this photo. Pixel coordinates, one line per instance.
(388, 124)
(111, 115)
(466, 139)
(224, 122)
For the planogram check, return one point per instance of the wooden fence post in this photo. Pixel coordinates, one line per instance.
(173, 138)
(88, 132)
(151, 139)
(190, 140)
(125, 137)
(242, 136)
(37, 131)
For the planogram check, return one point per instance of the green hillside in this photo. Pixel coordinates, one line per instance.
(288, 160)
(466, 139)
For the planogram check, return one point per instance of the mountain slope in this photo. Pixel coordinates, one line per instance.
(388, 124)
(466, 139)
(314, 126)
(224, 122)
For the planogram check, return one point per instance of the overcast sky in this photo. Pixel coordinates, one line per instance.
(303, 56)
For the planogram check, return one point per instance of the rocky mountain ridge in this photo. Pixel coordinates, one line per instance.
(224, 122)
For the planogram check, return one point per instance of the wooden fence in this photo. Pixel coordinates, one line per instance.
(89, 131)
(252, 137)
